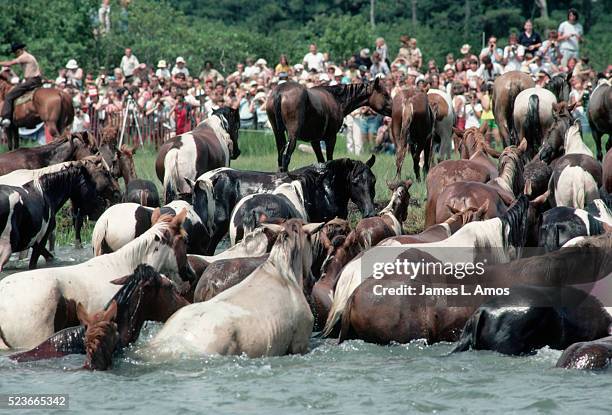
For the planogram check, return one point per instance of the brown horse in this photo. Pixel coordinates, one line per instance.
(101, 336)
(607, 172)
(48, 105)
(475, 166)
(417, 118)
(316, 114)
(505, 90)
(69, 148)
(596, 354)
(600, 115)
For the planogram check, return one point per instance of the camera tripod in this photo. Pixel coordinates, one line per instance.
(129, 110)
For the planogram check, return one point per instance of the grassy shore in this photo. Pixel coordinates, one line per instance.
(258, 152)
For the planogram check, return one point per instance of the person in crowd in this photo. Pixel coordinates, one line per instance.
(247, 107)
(104, 17)
(459, 102)
(487, 117)
(381, 48)
(514, 54)
(74, 74)
(259, 102)
(379, 66)
(81, 120)
(489, 70)
(283, 66)
(363, 58)
(472, 111)
(570, 36)
(128, 64)
(354, 140)
(238, 74)
(578, 97)
(162, 71)
(550, 53)
(529, 39)
(495, 54)
(472, 75)
(179, 67)
(404, 50)
(384, 142)
(416, 57)
(313, 59)
(466, 56)
(250, 69)
(180, 113)
(209, 72)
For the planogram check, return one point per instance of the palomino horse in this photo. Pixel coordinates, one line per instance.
(600, 115)
(505, 90)
(35, 304)
(58, 151)
(144, 295)
(327, 188)
(32, 198)
(413, 112)
(316, 114)
(264, 315)
(48, 105)
(209, 146)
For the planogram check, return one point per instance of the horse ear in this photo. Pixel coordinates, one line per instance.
(272, 227)
(133, 149)
(407, 184)
(485, 207)
(453, 210)
(111, 312)
(541, 199)
(180, 218)
(190, 183)
(371, 161)
(522, 147)
(569, 76)
(572, 106)
(155, 216)
(312, 228)
(82, 315)
(392, 186)
(121, 281)
(378, 86)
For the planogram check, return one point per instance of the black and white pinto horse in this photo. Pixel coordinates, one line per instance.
(327, 189)
(30, 199)
(125, 222)
(143, 192)
(286, 201)
(209, 146)
(562, 224)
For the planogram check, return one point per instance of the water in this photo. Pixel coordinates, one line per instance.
(354, 377)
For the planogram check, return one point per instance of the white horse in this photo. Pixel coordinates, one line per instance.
(264, 315)
(498, 235)
(575, 188)
(35, 304)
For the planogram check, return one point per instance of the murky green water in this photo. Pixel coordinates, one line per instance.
(354, 377)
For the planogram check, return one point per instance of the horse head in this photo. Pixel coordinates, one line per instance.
(144, 295)
(167, 251)
(106, 187)
(362, 185)
(554, 139)
(230, 118)
(101, 336)
(560, 86)
(379, 98)
(124, 161)
(400, 199)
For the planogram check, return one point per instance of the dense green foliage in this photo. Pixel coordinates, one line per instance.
(227, 31)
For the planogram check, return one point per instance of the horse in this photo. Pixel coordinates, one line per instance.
(531, 317)
(32, 198)
(316, 114)
(533, 116)
(445, 119)
(374, 316)
(591, 355)
(561, 224)
(264, 315)
(505, 90)
(145, 295)
(475, 165)
(60, 150)
(327, 189)
(536, 175)
(503, 238)
(416, 118)
(124, 222)
(607, 172)
(141, 191)
(212, 144)
(44, 301)
(572, 186)
(49, 105)
(497, 194)
(600, 115)
(558, 143)
(286, 201)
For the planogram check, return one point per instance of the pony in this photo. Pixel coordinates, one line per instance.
(600, 115)
(556, 145)
(316, 114)
(505, 90)
(591, 355)
(445, 119)
(212, 144)
(264, 315)
(48, 105)
(35, 304)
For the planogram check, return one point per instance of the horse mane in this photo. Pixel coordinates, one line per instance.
(515, 220)
(108, 135)
(22, 176)
(347, 95)
(600, 241)
(101, 341)
(511, 169)
(556, 85)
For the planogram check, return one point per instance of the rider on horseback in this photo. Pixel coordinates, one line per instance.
(32, 80)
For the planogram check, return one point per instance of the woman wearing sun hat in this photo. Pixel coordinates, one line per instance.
(74, 74)
(162, 70)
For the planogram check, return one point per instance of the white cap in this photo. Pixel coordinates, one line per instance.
(298, 67)
(180, 60)
(261, 61)
(72, 64)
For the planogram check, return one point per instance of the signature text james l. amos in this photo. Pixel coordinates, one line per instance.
(424, 290)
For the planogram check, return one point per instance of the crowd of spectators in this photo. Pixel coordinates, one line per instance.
(176, 95)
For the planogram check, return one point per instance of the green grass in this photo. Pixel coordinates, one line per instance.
(258, 152)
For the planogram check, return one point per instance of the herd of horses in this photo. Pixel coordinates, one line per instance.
(295, 266)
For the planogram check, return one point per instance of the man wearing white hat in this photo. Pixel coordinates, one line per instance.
(129, 63)
(162, 71)
(180, 67)
(74, 74)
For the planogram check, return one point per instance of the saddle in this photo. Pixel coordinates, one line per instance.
(27, 97)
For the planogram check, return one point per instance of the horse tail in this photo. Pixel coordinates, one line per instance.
(532, 127)
(278, 124)
(301, 114)
(346, 332)
(171, 175)
(470, 333)
(515, 89)
(144, 196)
(98, 236)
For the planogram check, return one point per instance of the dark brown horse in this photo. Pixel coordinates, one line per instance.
(70, 148)
(596, 354)
(101, 336)
(475, 166)
(607, 172)
(316, 114)
(48, 105)
(600, 115)
(505, 90)
(417, 119)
